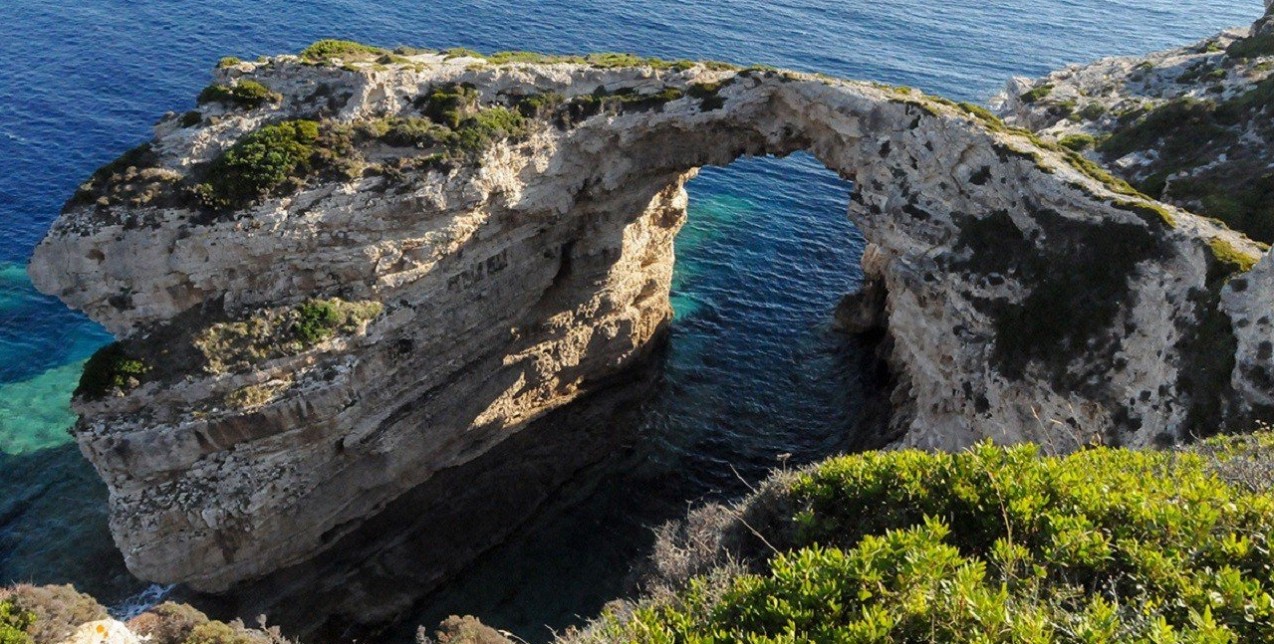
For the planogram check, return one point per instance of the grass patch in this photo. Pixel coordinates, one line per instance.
(246, 94)
(1149, 211)
(254, 396)
(228, 61)
(992, 545)
(110, 369)
(1092, 111)
(134, 179)
(601, 60)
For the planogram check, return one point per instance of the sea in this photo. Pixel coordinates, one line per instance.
(754, 377)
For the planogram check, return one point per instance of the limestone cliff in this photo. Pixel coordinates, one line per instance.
(1189, 126)
(353, 269)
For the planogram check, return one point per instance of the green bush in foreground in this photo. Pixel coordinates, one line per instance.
(14, 623)
(996, 545)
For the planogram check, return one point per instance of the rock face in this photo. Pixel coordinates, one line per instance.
(429, 273)
(1188, 126)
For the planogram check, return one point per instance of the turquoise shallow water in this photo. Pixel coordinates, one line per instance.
(752, 370)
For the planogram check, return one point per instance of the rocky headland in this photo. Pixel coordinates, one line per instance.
(352, 271)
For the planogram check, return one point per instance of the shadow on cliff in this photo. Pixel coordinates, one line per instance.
(53, 526)
(567, 507)
(375, 575)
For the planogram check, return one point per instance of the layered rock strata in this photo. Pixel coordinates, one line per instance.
(340, 277)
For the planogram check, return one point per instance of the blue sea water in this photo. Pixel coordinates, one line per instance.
(753, 370)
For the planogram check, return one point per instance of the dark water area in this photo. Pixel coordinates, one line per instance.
(751, 369)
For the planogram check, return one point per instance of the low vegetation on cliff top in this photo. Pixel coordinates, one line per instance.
(989, 545)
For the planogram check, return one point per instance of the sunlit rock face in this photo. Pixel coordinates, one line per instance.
(405, 298)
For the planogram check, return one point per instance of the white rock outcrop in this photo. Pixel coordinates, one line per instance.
(1028, 298)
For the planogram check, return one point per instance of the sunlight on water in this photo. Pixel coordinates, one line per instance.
(35, 414)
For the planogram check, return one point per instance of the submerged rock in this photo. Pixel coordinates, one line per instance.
(373, 270)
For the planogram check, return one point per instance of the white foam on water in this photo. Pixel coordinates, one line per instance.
(154, 595)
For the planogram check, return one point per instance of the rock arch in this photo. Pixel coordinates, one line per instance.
(1030, 296)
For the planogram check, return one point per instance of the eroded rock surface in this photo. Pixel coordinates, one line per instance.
(249, 418)
(1189, 126)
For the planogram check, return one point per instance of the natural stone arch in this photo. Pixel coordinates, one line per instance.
(1030, 297)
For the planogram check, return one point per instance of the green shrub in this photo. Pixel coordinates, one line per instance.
(246, 94)
(228, 61)
(460, 52)
(1241, 194)
(1078, 142)
(1036, 94)
(191, 119)
(325, 50)
(1093, 111)
(318, 320)
(14, 623)
(259, 163)
(478, 132)
(995, 545)
(708, 95)
(539, 105)
(414, 132)
(110, 368)
(449, 104)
